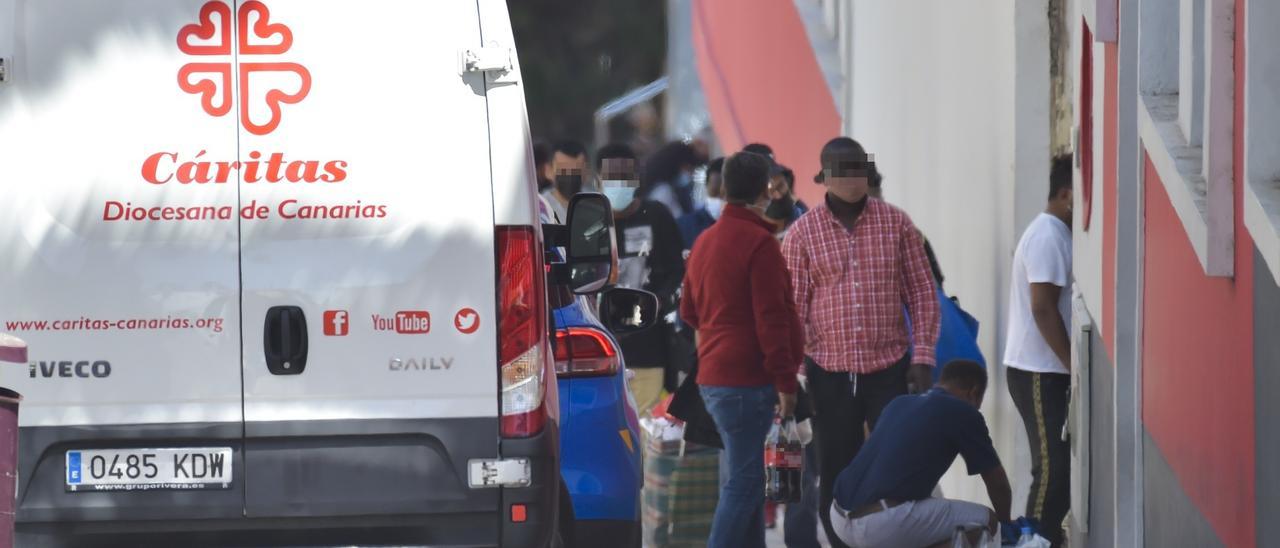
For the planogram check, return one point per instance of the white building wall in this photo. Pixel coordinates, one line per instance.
(953, 100)
(1088, 245)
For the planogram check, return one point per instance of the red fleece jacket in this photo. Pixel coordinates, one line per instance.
(737, 294)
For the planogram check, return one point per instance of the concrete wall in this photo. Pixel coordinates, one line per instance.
(954, 100)
(1266, 357)
(1102, 524)
(931, 91)
(1170, 516)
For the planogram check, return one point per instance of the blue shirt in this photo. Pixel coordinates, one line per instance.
(914, 443)
(694, 224)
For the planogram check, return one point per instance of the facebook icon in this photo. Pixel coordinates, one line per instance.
(336, 323)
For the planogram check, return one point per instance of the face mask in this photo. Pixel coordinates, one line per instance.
(684, 179)
(568, 185)
(715, 206)
(619, 193)
(781, 210)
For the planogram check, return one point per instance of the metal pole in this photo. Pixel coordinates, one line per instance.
(624, 103)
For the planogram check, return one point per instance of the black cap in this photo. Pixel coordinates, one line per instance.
(775, 168)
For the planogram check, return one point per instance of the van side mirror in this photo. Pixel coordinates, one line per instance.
(628, 310)
(592, 255)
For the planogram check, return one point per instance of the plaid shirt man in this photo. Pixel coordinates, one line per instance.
(850, 287)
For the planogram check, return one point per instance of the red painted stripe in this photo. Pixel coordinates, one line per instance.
(763, 83)
(1197, 368)
(1110, 143)
(1198, 362)
(709, 59)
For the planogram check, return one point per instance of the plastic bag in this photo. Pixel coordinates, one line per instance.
(960, 539)
(1032, 540)
(805, 428)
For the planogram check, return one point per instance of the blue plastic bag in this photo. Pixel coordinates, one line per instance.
(957, 335)
(958, 338)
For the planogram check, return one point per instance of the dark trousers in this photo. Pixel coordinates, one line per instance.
(1041, 399)
(843, 402)
(801, 525)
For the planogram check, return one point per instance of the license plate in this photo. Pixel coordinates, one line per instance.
(147, 469)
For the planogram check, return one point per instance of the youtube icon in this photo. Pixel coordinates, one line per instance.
(413, 322)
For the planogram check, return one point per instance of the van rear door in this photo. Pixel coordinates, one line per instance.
(120, 260)
(370, 368)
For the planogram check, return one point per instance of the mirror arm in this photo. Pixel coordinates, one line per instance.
(560, 274)
(554, 236)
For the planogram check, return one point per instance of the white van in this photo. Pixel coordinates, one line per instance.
(279, 267)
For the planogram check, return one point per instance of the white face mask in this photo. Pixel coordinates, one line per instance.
(715, 206)
(619, 192)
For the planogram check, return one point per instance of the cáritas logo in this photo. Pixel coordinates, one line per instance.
(212, 82)
(244, 50)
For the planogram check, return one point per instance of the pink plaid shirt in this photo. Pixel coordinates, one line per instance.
(850, 288)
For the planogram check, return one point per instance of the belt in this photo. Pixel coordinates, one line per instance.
(867, 509)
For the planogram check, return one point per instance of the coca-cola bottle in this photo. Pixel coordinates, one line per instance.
(793, 470)
(775, 481)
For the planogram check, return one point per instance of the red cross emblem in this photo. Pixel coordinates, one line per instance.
(212, 80)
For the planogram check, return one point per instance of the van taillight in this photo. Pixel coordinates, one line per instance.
(584, 352)
(522, 330)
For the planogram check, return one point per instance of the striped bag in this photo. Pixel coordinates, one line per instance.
(680, 495)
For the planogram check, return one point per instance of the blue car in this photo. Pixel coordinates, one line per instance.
(600, 444)
(601, 458)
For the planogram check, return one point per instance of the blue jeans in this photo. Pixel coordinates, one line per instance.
(743, 417)
(801, 523)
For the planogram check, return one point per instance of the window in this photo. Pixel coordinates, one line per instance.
(1187, 86)
(1262, 129)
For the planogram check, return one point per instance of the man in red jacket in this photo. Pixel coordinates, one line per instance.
(737, 296)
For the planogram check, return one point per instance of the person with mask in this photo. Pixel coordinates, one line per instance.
(858, 268)
(737, 298)
(669, 178)
(569, 167)
(785, 184)
(542, 166)
(694, 224)
(801, 518)
(784, 208)
(650, 257)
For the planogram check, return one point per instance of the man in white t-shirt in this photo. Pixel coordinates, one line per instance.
(1038, 350)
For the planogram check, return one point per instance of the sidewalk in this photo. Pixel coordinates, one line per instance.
(773, 538)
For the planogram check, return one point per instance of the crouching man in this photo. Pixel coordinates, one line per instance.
(883, 498)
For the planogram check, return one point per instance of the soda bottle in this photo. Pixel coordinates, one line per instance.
(794, 470)
(774, 459)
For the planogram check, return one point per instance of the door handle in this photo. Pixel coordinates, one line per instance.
(284, 340)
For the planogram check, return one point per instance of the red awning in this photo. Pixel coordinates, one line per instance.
(763, 83)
